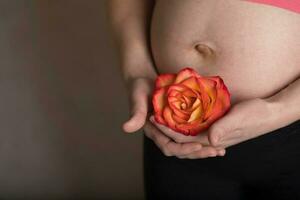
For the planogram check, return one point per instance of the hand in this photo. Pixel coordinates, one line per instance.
(170, 147)
(176, 144)
(245, 120)
(140, 90)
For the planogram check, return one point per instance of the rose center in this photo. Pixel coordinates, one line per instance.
(183, 106)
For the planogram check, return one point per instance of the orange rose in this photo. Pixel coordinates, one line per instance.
(189, 103)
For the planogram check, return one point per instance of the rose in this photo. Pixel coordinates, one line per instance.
(189, 103)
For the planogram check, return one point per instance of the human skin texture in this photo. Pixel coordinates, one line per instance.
(253, 47)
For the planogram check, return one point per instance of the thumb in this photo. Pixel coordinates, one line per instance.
(218, 130)
(140, 92)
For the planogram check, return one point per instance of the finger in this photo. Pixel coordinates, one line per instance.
(154, 135)
(224, 129)
(167, 146)
(159, 139)
(203, 139)
(178, 137)
(214, 135)
(140, 94)
(178, 149)
(205, 152)
(136, 121)
(222, 152)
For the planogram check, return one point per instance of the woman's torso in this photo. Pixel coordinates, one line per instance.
(255, 48)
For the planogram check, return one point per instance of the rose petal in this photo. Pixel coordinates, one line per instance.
(196, 114)
(167, 113)
(172, 99)
(174, 93)
(178, 119)
(164, 80)
(192, 129)
(159, 101)
(185, 74)
(217, 79)
(208, 94)
(180, 113)
(190, 93)
(191, 106)
(222, 103)
(187, 100)
(221, 106)
(191, 83)
(209, 86)
(159, 119)
(177, 104)
(179, 90)
(221, 85)
(205, 98)
(196, 103)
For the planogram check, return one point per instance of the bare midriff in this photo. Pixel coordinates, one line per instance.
(255, 48)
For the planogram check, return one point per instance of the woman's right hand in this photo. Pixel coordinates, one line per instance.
(140, 90)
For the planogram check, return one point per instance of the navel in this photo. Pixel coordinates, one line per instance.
(207, 52)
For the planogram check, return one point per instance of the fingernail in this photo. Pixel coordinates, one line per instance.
(221, 152)
(151, 119)
(198, 147)
(212, 155)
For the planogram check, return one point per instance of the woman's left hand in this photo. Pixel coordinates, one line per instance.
(245, 120)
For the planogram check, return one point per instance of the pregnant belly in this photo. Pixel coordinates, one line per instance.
(254, 48)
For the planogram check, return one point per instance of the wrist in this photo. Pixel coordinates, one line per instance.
(137, 63)
(281, 114)
(133, 71)
(135, 58)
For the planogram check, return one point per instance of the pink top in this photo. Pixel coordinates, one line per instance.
(292, 5)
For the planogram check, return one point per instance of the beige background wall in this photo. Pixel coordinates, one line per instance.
(62, 105)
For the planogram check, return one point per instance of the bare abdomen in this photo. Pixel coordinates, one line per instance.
(253, 47)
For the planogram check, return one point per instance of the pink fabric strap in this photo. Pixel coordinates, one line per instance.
(292, 5)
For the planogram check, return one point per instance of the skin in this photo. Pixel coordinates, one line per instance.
(253, 47)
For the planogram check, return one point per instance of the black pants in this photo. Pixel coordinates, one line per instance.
(267, 167)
